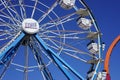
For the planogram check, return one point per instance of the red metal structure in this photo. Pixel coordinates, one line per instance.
(109, 52)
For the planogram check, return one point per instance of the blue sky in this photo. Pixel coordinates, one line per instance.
(107, 17)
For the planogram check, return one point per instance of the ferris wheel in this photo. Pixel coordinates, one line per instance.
(48, 40)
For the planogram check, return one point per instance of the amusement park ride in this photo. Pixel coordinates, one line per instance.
(62, 36)
(108, 54)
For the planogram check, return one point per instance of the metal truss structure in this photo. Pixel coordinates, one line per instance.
(63, 38)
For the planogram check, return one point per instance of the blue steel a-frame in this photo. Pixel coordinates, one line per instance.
(8, 52)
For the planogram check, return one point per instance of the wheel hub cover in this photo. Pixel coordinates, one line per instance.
(30, 26)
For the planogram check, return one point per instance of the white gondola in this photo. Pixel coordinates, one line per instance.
(101, 76)
(84, 23)
(67, 4)
(93, 47)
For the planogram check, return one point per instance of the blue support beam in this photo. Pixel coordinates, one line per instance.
(62, 68)
(6, 60)
(12, 45)
(8, 53)
(59, 60)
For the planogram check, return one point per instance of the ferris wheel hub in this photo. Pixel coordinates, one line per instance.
(30, 26)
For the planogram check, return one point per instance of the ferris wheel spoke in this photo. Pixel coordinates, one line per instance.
(12, 8)
(51, 32)
(11, 19)
(9, 25)
(54, 43)
(58, 21)
(1, 46)
(22, 9)
(22, 13)
(66, 34)
(64, 37)
(74, 49)
(76, 57)
(67, 18)
(36, 2)
(42, 4)
(49, 10)
(6, 38)
(4, 33)
(6, 16)
(71, 53)
(7, 8)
